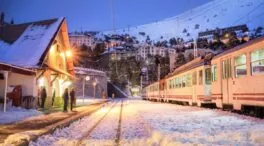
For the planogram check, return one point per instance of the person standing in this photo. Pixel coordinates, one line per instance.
(72, 94)
(43, 96)
(66, 99)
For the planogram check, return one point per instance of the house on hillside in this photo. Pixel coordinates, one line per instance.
(35, 55)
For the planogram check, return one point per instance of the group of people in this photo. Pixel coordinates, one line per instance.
(66, 97)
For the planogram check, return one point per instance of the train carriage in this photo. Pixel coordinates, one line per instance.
(238, 76)
(152, 91)
(191, 83)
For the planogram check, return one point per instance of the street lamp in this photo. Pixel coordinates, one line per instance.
(87, 78)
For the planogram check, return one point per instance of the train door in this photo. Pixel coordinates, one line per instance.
(226, 83)
(194, 88)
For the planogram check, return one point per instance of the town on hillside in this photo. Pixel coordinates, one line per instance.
(192, 79)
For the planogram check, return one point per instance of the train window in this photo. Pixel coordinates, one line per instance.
(184, 81)
(176, 82)
(208, 76)
(200, 77)
(214, 73)
(180, 82)
(257, 62)
(194, 78)
(188, 80)
(240, 66)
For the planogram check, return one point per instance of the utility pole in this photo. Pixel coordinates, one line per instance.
(112, 14)
(195, 51)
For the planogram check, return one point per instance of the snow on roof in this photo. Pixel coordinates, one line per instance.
(27, 50)
(81, 70)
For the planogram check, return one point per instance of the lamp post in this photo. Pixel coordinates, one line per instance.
(87, 78)
(94, 84)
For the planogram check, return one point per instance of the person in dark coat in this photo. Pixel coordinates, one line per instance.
(66, 99)
(72, 95)
(43, 96)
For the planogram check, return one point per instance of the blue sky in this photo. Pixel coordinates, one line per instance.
(95, 14)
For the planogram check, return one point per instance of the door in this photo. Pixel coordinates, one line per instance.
(194, 88)
(226, 83)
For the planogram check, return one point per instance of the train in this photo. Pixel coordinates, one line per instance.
(232, 80)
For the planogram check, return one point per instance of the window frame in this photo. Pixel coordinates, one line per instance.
(239, 65)
(258, 60)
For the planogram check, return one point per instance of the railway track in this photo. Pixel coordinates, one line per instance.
(86, 136)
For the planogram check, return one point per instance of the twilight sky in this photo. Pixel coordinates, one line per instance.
(95, 14)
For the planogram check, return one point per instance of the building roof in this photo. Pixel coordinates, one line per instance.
(26, 44)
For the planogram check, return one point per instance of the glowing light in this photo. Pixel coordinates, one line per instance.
(41, 82)
(94, 83)
(87, 78)
(52, 49)
(67, 83)
(62, 54)
(68, 53)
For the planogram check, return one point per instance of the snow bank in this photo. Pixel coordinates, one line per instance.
(15, 114)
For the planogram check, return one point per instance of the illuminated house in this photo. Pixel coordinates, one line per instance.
(34, 55)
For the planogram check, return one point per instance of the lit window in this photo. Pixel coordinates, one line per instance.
(184, 81)
(188, 80)
(257, 62)
(208, 76)
(214, 73)
(200, 77)
(177, 83)
(240, 66)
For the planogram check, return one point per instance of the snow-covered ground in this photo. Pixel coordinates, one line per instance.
(87, 100)
(14, 114)
(148, 123)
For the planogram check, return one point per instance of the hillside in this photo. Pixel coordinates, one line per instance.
(218, 13)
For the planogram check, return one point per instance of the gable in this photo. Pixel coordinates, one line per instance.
(28, 49)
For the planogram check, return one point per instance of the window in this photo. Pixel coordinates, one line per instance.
(184, 81)
(177, 82)
(226, 69)
(194, 78)
(200, 77)
(214, 73)
(180, 82)
(257, 62)
(208, 76)
(188, 80)
(240, 66)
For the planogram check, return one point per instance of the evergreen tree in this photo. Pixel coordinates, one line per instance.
(99, 49)
(2, 18)
(12, 21)
(190, 57)
(180, 60)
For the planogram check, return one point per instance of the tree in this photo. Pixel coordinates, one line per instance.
(190, 57)
(180, 60)
(197, 26)
(184, 30)
(12, 21)
(99, 49)
(2, 18)
(173, 41)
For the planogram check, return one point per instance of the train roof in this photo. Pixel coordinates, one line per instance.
(200, 61)
(239, 47)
